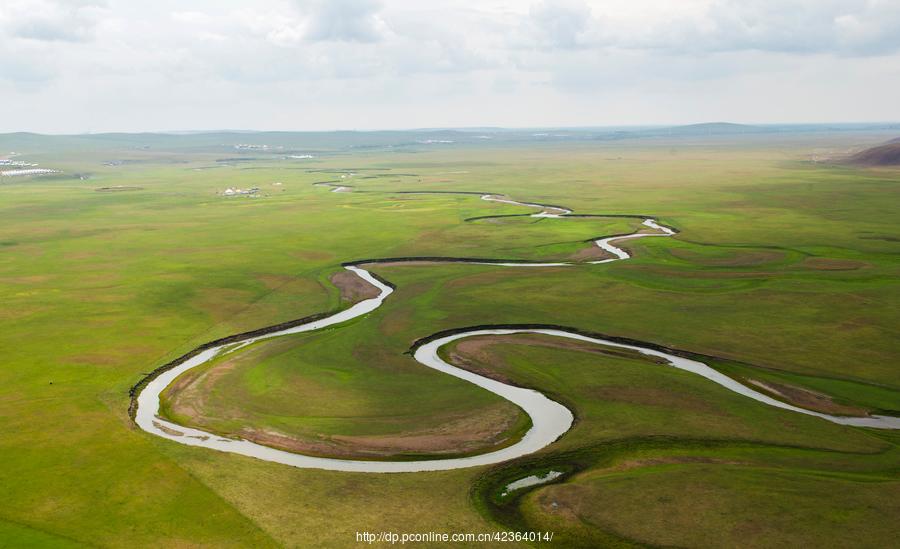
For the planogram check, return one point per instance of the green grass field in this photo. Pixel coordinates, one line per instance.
(784, 270)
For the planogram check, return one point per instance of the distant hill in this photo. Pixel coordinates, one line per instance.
(882, 155)
(713, 128)
(277, 144)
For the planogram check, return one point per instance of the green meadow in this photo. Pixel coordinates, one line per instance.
(783, 270)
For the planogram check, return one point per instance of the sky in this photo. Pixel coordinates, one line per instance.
(73, 66)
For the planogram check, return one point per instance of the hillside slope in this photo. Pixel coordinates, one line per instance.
(882, 155)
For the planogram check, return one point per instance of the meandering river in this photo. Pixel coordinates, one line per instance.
(550, 419)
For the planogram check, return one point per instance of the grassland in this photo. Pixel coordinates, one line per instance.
(785, 270)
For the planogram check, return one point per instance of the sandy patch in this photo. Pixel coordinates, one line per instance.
(221, 304)
(591, 253)
(352, 287)
(313, 255)
(630, 464)
(474, 350)
(701, 274)
(467, 434)
(187, 394)
(187, 398)
(79, 256)
(115, 356)
(474, 353)
(738, 259)
(826, 264)
(26, 280)
(397, 321)
(656, 398)
(275, 281)
(805, 398)
(167, 430)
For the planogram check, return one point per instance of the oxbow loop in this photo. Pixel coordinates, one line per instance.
(550, 420)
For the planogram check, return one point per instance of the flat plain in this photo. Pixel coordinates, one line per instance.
(784, 273)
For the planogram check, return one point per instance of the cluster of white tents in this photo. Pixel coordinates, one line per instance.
(231, 191)
(27, 171)
(18, 167)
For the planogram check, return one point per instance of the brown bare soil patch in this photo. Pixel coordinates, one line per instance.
(352, 287)
(187, 394)
(275, 281)
(486, 278)
(397, 321)
(657, 398)
(630, 464)
(167, 430)
(466, 434)
(738, 259)
(826, 264)
(221, 304)
(466, 362)
(478, 348)
(591, 252)
(313, 255)
(29, 280)
(21, 312)
(690, 273)
(564, 501)
(115, 356)
(475, 353)
(79, 256)
(489, 277)
(95, 358)
(805, 398)
(281, 441)
(186, 398)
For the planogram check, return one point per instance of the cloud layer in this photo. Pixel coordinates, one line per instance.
(81, 65)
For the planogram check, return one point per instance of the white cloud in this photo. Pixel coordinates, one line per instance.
(562, 24)
(344, 20)
(847, 27)
(50, 20)
(225, 63)
(843, 27)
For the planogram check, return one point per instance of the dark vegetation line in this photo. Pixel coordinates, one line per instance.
(438, 259)
(597, 335)
(628, 216)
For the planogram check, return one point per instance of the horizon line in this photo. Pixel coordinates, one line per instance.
(455, 128)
